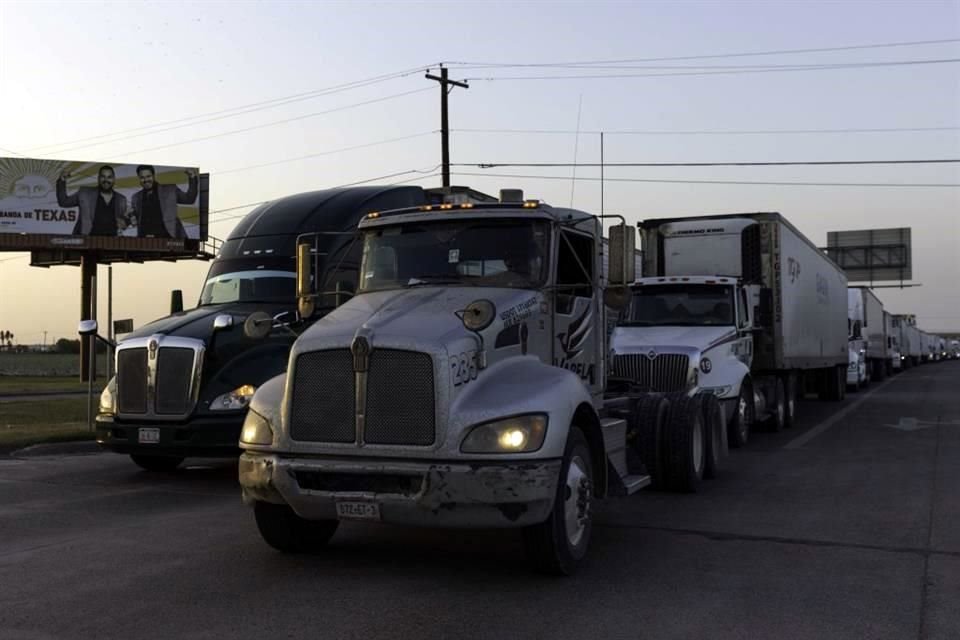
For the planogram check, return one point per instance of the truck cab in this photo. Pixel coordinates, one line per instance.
(858, 371)
(184, 382)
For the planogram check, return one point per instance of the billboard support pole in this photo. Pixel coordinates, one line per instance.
(110, 320)
(92, 346)
(88, 272)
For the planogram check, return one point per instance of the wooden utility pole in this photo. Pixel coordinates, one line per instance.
(444, 119)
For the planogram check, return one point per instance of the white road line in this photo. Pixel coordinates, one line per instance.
(799, 441)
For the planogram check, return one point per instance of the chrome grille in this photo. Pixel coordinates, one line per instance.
(324, 395)
(400, 405)
(132, 381)
(667, 372)
(174, 377)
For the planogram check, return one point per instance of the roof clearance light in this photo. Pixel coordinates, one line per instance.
(467, 205)
(530, 204)
(445, 207)
(426, 207)
(373, 214)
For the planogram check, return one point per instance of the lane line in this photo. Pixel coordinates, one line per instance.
(799, 441)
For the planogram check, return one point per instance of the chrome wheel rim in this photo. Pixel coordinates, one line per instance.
(576, 508)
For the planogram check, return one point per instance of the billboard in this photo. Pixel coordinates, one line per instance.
(101, 200)
(872, 255)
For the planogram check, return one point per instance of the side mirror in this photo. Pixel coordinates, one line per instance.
(87, 328)
(306, 304)
(764, 315)
(176, 301)
(222, 321)
(621, 268)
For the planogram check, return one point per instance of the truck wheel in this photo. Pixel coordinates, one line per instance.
(686, 445)
(285, 531)
(558, 544)
(738, 430)
(156, 463)
(778, 417)
(714, 421)
(790, 388)
(649, 423)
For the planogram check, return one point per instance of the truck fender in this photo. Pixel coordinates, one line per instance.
(268, 399)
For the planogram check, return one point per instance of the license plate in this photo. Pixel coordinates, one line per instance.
(148, 435)
(358, 510)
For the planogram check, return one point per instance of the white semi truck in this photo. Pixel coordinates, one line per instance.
(743, 307)
(894, 355)
(465, 385)
(911, 347)
(868, 338)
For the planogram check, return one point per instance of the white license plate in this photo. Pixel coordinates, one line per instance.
(148, 435)
(358, 511)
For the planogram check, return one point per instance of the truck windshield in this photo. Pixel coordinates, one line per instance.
(487, 253)
(246, 280)
(681, 305)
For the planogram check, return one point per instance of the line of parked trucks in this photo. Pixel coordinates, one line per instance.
(446, 358)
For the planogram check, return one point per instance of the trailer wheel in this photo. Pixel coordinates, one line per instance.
(790, 387)
(285, 531)
(778, 417)
(558, 544)
(686, 445)
(715, 423)
(156, 463)
(649, 423)
(738, 429)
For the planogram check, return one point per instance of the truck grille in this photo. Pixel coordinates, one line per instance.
(132, 381)
(400, 398)
(665, 373)
(174, 377)
(164, 386)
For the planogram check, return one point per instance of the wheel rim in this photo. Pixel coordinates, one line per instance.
(744, 418)
(698, 447)
(576, 508)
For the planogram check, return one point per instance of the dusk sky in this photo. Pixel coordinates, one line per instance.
(237, 89)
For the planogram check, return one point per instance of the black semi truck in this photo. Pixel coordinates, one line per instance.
(184, 381)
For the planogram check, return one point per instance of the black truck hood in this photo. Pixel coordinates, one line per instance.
(198, 323)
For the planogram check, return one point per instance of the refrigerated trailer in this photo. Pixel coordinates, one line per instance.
(741, 306)
(868, 336)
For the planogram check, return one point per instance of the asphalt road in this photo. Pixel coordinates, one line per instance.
(847, 526)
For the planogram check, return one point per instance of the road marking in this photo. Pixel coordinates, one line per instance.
(913, 424)
(799, 441)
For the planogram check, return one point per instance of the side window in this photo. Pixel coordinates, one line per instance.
(742, 313)
(574, 269)
(341, 273)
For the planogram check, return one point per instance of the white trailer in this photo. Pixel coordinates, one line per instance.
(872, 330)
(751, 299)
(894, 355)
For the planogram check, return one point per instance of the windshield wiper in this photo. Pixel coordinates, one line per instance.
(419, 281)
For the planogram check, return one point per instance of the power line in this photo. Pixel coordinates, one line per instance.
(813, 163)
(822, 67)
(883, 45)
(225, 113)
(719, 132)
(728, 182)
(330, 152)
(276, 122)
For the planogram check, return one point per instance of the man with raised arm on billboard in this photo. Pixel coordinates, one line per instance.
(103, 211)
(155, 206)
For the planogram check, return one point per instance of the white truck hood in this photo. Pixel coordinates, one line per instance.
(639, 339)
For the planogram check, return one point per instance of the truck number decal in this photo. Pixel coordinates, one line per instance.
(464, 368)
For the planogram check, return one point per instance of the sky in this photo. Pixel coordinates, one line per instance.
(253, 93)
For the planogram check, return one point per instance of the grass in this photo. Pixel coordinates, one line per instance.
(45, 384)
(45, 364)
(23, 423)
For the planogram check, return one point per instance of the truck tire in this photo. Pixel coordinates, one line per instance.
(649, 420)
(777, 421)
(686, 445)
(715, 422)
(738, 429)
(156, 463)
(790, 388)
(285, 531)
(558, 544)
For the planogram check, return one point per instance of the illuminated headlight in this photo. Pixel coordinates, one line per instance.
(519, 434)
(256, 429)
(239, 398)
(903, 357)
(108, 398)
(706, 366)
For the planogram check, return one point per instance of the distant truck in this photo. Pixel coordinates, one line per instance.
(868, 338)
(184, 382)
(911, 348)
(894, 356)
(742, 307)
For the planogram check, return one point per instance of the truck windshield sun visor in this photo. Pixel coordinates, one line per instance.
(681, 305)
(248, 281)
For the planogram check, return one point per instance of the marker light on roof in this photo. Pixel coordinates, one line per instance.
(426, 207)
(467, 205)
(374, 214)
(530, 204)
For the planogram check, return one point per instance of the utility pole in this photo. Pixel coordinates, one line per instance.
(444, 119)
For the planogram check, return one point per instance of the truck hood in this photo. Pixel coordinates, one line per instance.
(626, 339)
(424, 313)
(198, 322)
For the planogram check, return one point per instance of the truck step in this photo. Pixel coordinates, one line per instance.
(614, 432)
(634, 483)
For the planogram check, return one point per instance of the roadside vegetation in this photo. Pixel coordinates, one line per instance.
(23, 423)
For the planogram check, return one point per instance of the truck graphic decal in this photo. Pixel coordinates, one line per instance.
(572, 341)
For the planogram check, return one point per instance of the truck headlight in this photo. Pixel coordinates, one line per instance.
(108, 398)
(256, 429)
(519, 434)
(239, 398)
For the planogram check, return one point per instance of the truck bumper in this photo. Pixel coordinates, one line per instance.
(467, 495)
(202, 437)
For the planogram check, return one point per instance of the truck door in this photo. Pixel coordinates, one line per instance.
(575, 319)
